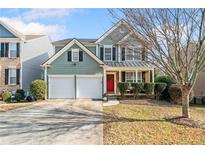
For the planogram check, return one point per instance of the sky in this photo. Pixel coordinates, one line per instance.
(59, 23)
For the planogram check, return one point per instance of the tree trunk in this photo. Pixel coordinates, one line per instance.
(185, 101)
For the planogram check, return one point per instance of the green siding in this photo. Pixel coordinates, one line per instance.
(92, 49)
(87, 66)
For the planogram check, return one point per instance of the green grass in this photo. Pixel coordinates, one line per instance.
(142, 122)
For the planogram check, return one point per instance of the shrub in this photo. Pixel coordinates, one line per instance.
(175, 93)
(169, 81)
(6, 96)
(122, 87)
(148, 88)
(159, 87)
(38, 89)
(138, 87)
(18, 97)
(21, 93)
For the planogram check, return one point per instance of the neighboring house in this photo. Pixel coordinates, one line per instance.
(20, 57)
(89, 68)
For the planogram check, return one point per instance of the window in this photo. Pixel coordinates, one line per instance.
(133, 53)
(108, 53)
(12, 76)
(129, 54)
(130, 77)
(137, 53)
(139, 76)
(75, 55)
(12, 50)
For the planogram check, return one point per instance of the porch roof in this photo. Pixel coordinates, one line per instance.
(129, 64)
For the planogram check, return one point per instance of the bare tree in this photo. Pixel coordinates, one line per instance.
(175, 41)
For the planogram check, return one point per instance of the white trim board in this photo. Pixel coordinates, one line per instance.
(64, 49)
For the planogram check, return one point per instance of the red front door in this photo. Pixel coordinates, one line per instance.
(110, 83)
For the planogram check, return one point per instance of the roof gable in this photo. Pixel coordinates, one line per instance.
(7, 31)
(122, 25)
(69, 45)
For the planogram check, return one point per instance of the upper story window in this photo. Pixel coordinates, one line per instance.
(107, 53)
(133, 53)
(75, 55)
(12, 50)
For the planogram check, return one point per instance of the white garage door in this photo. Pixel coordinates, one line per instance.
(89, 86)
(61, 87)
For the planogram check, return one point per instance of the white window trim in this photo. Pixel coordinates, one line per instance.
(134, 78)
(9, 52)
(9, 77)
(133, 54)
(140, 77)
(77, 51)
(108, 46)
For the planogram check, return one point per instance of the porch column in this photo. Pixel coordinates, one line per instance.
(136, 76)
(152, 75)
(104, 81)
(45, 79)
(120, 76)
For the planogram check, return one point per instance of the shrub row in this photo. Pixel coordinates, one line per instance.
(37, 88)
(147, 88)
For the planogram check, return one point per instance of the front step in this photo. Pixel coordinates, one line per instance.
(112, 97)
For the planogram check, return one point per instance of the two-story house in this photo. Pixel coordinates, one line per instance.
(88, 68)
(20, 57)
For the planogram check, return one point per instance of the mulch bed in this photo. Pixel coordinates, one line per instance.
(186, 121)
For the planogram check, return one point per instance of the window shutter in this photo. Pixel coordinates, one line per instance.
(101, 53)
(143, 77)
(123, 54)
(6, 49)
(17, 76)
(80, 55)
(123, 76)
(113, 53)
(6, 76)
(17, 49)
(2, 49)
(69, 56)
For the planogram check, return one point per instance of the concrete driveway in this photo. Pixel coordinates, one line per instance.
(53, 122)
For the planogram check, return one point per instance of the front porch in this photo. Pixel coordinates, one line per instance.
(113, 77)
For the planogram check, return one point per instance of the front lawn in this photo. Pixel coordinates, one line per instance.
(11, 106)
(142, 122)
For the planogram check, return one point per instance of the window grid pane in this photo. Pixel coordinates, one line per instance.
(75, 55)
(12, 49)
(12, 76)
(130, 77)
(108, 54)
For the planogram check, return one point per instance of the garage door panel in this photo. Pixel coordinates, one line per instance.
(61, 87)
(89, 87)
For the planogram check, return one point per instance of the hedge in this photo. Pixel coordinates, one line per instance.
(38, 89)
(159, 87)
(122, 87)
(169, 81)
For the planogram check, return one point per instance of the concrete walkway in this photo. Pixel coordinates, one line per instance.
(53, 122)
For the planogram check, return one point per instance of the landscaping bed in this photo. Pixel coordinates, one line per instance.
(143, 122)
